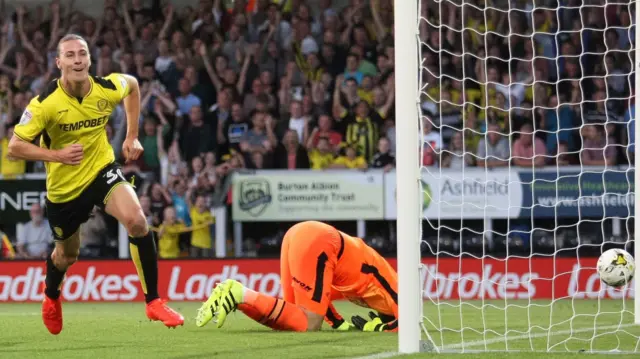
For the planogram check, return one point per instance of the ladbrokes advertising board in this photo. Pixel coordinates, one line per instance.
(303, 195)
(193, 280)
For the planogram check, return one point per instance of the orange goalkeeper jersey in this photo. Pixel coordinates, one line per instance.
(365, 278)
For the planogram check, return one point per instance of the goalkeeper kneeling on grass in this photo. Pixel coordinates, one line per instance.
(318, 264)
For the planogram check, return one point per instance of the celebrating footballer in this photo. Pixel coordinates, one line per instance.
(70, 117)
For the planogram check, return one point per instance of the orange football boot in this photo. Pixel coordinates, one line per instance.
(158, 309)
(52, 314)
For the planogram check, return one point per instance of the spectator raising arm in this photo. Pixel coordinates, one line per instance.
(55, 27)
(24, 39)
(168, 20)
(213, 76)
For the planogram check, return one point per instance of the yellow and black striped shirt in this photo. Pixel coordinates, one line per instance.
(363, 133)
(63, 120)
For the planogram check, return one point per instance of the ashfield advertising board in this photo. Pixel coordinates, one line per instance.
(469, 194)
(578, 194)
(304, 195)
(495, 194)
(193, 280)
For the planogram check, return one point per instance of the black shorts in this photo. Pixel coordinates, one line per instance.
(65, 218)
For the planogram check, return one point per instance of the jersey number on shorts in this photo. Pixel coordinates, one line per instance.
(113, 175)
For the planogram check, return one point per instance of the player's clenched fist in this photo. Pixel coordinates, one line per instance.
(131, 149)
(71, 155)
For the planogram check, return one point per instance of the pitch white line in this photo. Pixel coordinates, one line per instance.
(476, 343)
(380, 355)
(18, 314)
(28, 314)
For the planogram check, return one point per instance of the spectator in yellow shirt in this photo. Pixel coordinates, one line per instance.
(201, 220)
(365, 91)
(9, 167)
(321, 157)
(169, 234)
(350, 160)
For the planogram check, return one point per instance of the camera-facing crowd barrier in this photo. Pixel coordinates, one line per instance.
(472, 193)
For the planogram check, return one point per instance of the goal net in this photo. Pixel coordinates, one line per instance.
(525, 174)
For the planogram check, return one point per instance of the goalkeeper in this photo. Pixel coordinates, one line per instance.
(318, 264)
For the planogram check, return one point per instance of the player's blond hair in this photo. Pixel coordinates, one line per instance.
(69, 37)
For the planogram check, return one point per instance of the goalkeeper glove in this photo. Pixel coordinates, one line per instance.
(374, 325)
(343, 326)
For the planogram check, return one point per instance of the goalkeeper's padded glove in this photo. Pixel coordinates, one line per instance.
(343, 326)
(376, 324)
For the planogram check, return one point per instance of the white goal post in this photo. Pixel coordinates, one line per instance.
(499, 310)
(636, 255)
(409, 206)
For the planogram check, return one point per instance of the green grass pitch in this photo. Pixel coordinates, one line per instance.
(121, 331)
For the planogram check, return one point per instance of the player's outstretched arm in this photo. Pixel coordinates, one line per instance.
(131, 147)
(132, 105)
(23, 150)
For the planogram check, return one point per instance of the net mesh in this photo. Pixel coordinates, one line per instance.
(526, 173)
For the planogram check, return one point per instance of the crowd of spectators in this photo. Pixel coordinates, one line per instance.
(295, 84)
